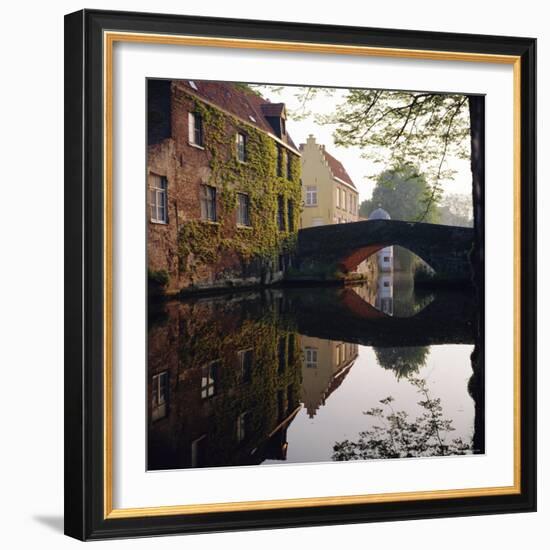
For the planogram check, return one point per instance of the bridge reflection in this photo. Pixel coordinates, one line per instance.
(228, 374)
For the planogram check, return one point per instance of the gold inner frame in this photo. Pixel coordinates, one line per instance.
(109, 39)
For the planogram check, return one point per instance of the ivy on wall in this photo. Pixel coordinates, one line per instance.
(201, 242)
(219, 330)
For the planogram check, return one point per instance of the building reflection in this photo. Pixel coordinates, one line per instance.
(326, 364)
(380, 294)
(224, 388)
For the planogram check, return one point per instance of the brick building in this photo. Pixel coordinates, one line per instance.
(223, 179)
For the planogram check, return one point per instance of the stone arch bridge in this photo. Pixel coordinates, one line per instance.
(324, 251)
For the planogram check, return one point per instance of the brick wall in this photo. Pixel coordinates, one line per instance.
(187, 167)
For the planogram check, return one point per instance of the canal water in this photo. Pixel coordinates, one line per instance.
(314, 374)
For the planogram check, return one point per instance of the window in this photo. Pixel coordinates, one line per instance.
(245, 364)
(386, 284)
(241, 147)
(311, 358)
(243, 425)
(281, 213)
(290, 214)
(243, 209)
(343, 200)
(291, 347)
(158, 200)
(283, 127)
(386, 259)
(209, 379)
(198, 451)
(288, 166)
(281, 352)
(279, 161)
(208, 203)
(196, 134)
(159, 396)
(311, 195)
(338, 354)
(338, 197)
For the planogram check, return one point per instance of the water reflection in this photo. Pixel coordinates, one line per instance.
(286, 375)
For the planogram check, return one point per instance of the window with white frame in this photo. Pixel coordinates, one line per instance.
(159, 396)
(311, 358)
(158, 199)
(208, 203)
(243, 209)
(338, 197)
(209, 379)
(196, 133)
(311, 195)
(241, 147)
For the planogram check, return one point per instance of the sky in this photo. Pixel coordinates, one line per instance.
(363, 172)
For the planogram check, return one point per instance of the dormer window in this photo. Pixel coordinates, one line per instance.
(283, 127)
(241, 147)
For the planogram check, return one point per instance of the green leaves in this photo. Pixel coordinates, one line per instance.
(395, 436)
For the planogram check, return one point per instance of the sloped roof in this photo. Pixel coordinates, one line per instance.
(337, 168)
(240, 102)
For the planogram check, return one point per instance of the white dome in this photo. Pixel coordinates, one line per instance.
(379, 214)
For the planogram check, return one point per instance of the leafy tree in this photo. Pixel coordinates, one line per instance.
(398, 127)
(398, 437)
(403, 361)
(402, 191)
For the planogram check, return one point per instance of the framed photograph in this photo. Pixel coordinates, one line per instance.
(300, 274)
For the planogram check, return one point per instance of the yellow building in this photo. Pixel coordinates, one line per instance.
(328, 193)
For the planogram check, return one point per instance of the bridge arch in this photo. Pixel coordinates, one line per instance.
(343, 246)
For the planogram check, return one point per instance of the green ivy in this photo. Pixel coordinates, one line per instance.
(207, 241)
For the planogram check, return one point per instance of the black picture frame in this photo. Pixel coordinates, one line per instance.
(84, 282)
